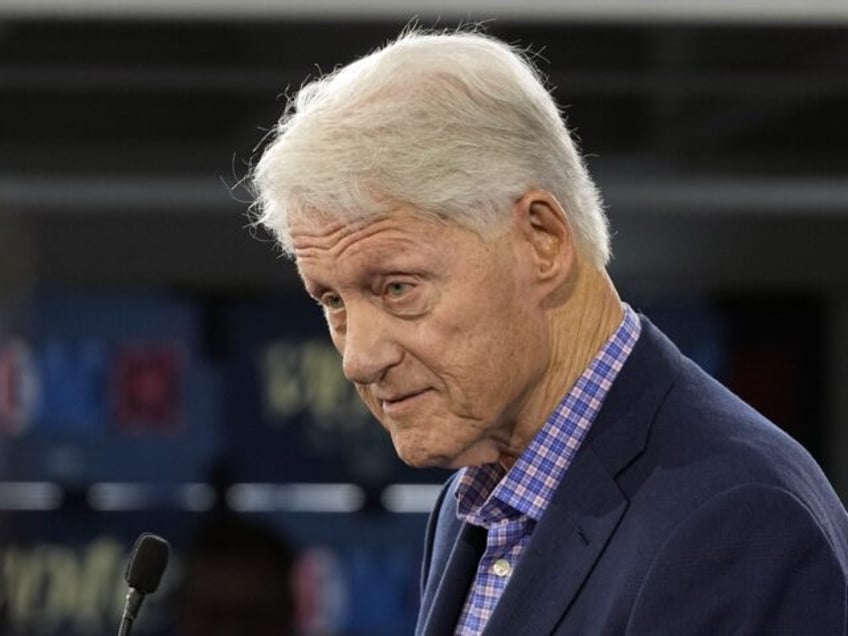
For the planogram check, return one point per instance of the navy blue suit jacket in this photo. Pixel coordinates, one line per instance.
(685, 512)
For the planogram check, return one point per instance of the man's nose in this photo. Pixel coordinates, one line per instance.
(368, 348)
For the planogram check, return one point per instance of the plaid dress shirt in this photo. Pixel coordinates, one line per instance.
(509, 504)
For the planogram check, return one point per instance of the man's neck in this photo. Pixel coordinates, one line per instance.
(579, 326)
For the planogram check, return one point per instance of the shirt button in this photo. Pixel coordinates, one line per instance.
(501, 567)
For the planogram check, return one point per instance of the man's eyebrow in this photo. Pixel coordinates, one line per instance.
(314, 289)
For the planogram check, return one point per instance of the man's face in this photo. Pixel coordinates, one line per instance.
(437, 328)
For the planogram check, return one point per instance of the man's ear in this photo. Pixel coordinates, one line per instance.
(547, 232)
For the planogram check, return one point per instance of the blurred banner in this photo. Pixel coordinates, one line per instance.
(130, 412)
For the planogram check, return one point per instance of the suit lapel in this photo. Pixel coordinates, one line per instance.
(565, 545)
(455, 581)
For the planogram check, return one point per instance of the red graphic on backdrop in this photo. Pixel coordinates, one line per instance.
(19, 387)
(148, 387)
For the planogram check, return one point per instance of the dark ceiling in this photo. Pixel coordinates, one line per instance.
(99, 117)
(192, 97)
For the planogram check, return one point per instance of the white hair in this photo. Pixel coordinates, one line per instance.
(454, 124)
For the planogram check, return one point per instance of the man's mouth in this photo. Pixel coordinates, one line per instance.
(394, 403)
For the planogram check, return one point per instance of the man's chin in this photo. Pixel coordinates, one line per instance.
(418, 456)
(420, 459)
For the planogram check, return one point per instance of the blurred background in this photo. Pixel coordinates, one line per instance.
(161, 370)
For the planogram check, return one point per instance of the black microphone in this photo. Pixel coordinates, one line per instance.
(144, 571)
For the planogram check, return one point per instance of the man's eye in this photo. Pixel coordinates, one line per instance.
(396, 290)
(332, 301)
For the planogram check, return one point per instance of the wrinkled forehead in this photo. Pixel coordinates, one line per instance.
(316, 228)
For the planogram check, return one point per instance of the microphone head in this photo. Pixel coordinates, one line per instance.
(147, 563)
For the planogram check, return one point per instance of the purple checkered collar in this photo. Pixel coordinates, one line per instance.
(487, 494)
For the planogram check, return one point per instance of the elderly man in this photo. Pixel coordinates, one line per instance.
(439, 212)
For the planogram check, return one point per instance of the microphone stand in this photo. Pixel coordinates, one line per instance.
(131, 607)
